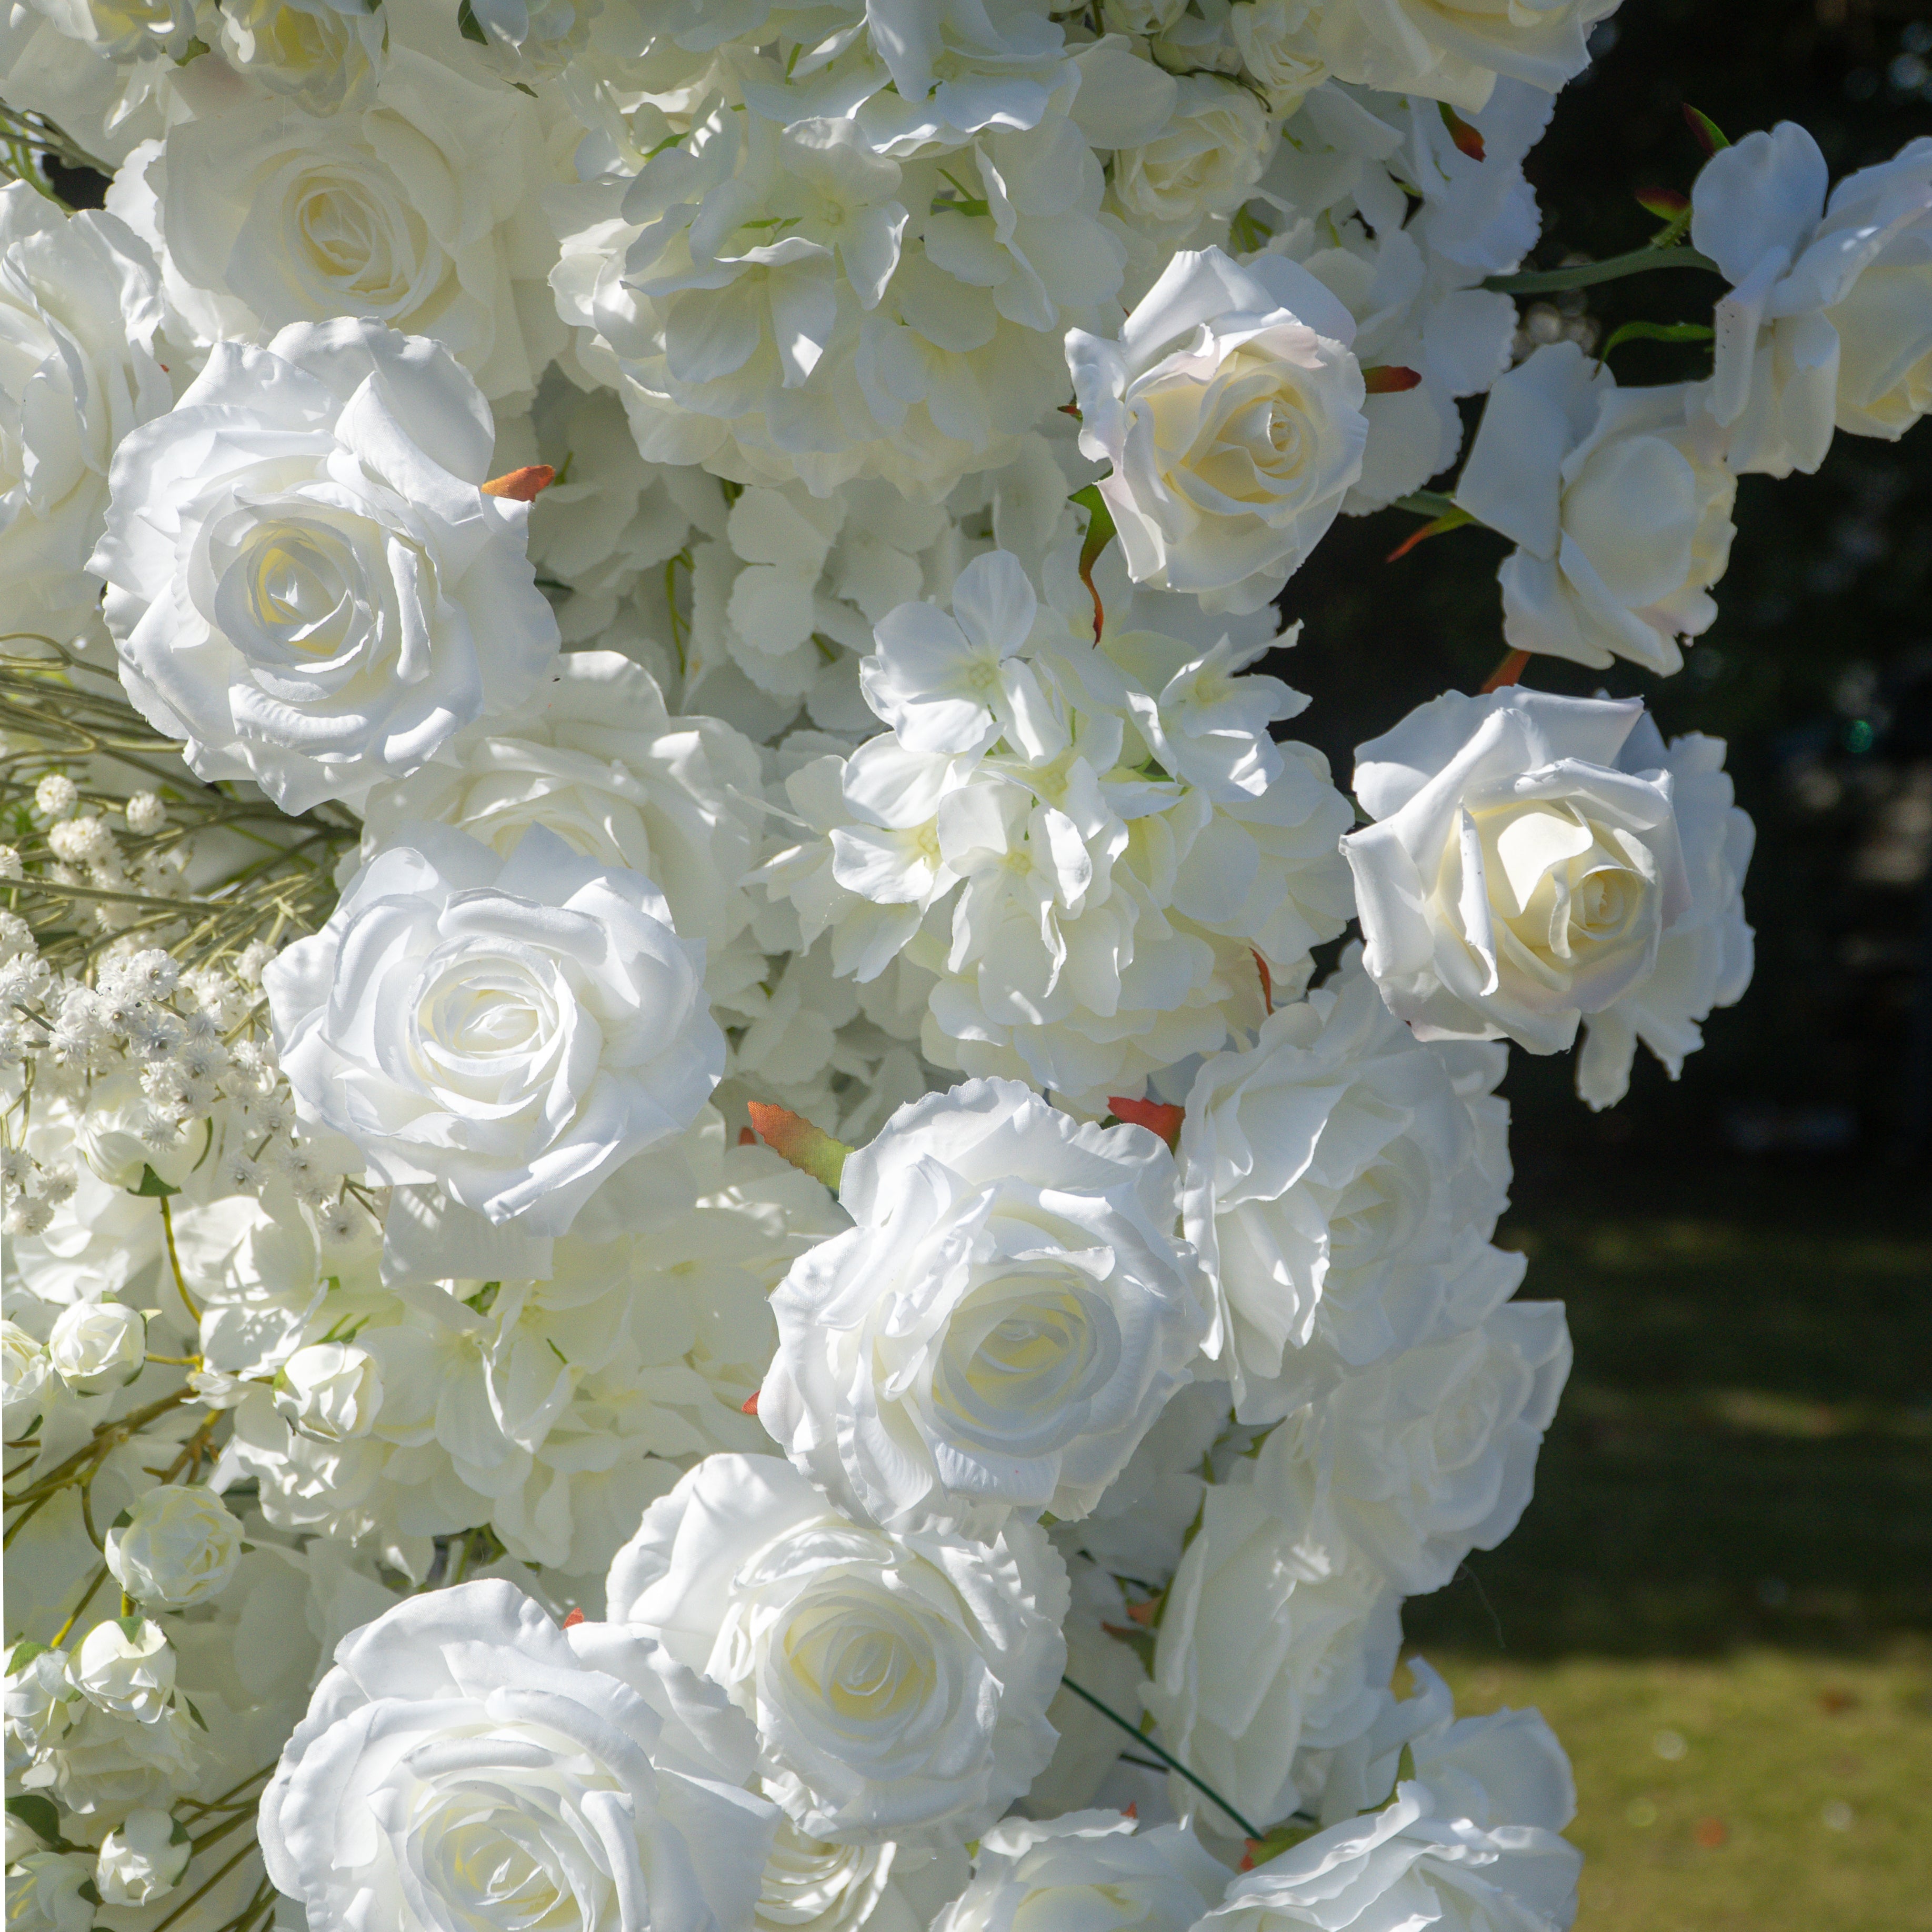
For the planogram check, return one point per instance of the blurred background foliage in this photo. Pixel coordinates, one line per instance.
(1722, 1594)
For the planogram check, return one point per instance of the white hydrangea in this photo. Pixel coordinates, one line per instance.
(1091, 916)
(851, 266)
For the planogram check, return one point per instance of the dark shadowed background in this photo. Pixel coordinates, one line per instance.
(1722, 1594)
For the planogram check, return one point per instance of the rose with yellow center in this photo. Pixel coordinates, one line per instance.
(1516, 878)
(1004, 1324)
(468, 1766)
(899, 1683)
(1231, 408)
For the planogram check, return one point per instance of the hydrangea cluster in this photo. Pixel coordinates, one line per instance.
(708, 1221)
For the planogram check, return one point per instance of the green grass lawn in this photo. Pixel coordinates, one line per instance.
(1722, 1595)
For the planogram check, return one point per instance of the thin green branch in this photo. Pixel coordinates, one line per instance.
(1588, 274)
(1167, 1758)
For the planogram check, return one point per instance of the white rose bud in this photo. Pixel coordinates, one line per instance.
(174, 1545)
(43, 1893)
(1515, 879)
(24, 1368)
(1231, 408)
(141, 1860)
(97, 1345)
(125, 1667)
(331, 1390)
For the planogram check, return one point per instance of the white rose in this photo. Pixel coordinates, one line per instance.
(1425, 1456)
(1231, 410)
(1515, 878)
(1334, 1182)
(1620, 501)
(1004, 1322)
(1272, 1639)
(595, 758)
(830, 1888)
(1205, 160)
(417, 211)
(1085, 1869)
(79, 306)
(1826, 323)
(467, 1765)
(142, 1859)
(330, 1390)
(1410, 1863)
(512, 1030)
(124, 1668)
(1278, 48)
(323, 54)
(97, 1345)
(125, 31)
(24, 1369)
(43, 1893)
(1455, 50)
(899, 1683)
(305, 580)
(1705, 959)
(176, 1544)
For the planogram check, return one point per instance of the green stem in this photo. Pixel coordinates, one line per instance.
(1172, 1762)
(1587, 274)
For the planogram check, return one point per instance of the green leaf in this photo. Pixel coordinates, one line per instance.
(40, 1815)
(121, 1521)
(22, 1654)
(87, 1890)
(1710, 136)
(1282, 1838)
(194, 1714)
(1656, 331)
(809, 1149)
(1099, 535)
(469, 26)
(153, 1187)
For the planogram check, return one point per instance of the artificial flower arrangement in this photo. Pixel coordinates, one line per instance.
(689, 1243)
